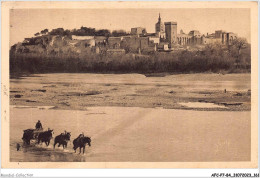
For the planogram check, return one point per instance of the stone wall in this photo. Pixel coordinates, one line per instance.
(114, 42)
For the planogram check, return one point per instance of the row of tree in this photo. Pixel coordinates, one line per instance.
(83, 31)
(213, 58)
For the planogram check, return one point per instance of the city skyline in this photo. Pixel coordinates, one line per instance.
(25, 23)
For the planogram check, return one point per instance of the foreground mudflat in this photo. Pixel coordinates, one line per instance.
(79, 91)
(137, 134)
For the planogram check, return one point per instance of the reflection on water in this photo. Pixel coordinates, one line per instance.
(38, 107)
(42, 153)
(201, 105)
(25, 117)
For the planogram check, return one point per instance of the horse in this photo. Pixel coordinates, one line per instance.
(45, 137)
(62, 139)
(28, 135)
(81, 143)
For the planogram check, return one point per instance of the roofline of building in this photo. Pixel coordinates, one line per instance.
(170, 23)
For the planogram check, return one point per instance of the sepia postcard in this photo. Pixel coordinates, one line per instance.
(129, 85)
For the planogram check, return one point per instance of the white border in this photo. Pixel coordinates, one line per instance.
(127, 172)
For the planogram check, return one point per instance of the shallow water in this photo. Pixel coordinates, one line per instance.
(195, 82)
(136, 134)
(131, 133)
(201, 105)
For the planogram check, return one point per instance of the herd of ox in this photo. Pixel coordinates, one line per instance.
(45, 136)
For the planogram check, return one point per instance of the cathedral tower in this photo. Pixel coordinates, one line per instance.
(159, 28)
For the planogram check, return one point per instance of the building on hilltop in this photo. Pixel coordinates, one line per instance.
(226, 37)
(184, 39)
(230, 38)
(160, 28)
(133, 44)
(171, 33)
(220, 36)
(114, 42)
(196, 37)
(138, 31)
(137, 44)
(165, 39)
(195, 33)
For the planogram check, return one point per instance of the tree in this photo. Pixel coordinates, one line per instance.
(57, 31)
(67, 33)
(37, 34)
(239, 43)
(117, 33)
(45, 31)
(103, 32)
(209, 49)
(87, 31)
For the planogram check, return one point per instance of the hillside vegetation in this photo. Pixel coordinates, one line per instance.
(53, 52)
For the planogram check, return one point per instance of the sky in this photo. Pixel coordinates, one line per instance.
(26, 22)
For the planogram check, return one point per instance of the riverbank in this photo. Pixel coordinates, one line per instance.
(70, 91)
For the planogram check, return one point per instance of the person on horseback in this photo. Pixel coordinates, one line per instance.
(80, 142)
(62, 139)
(80, 136)
(38, 125)
(65, 132)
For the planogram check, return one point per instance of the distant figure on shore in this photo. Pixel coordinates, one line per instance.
(38, 125)
(225, 91)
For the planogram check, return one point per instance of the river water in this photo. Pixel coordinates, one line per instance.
(230, 82)
(135, 133)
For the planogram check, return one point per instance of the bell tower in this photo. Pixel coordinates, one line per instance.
(159, 27)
